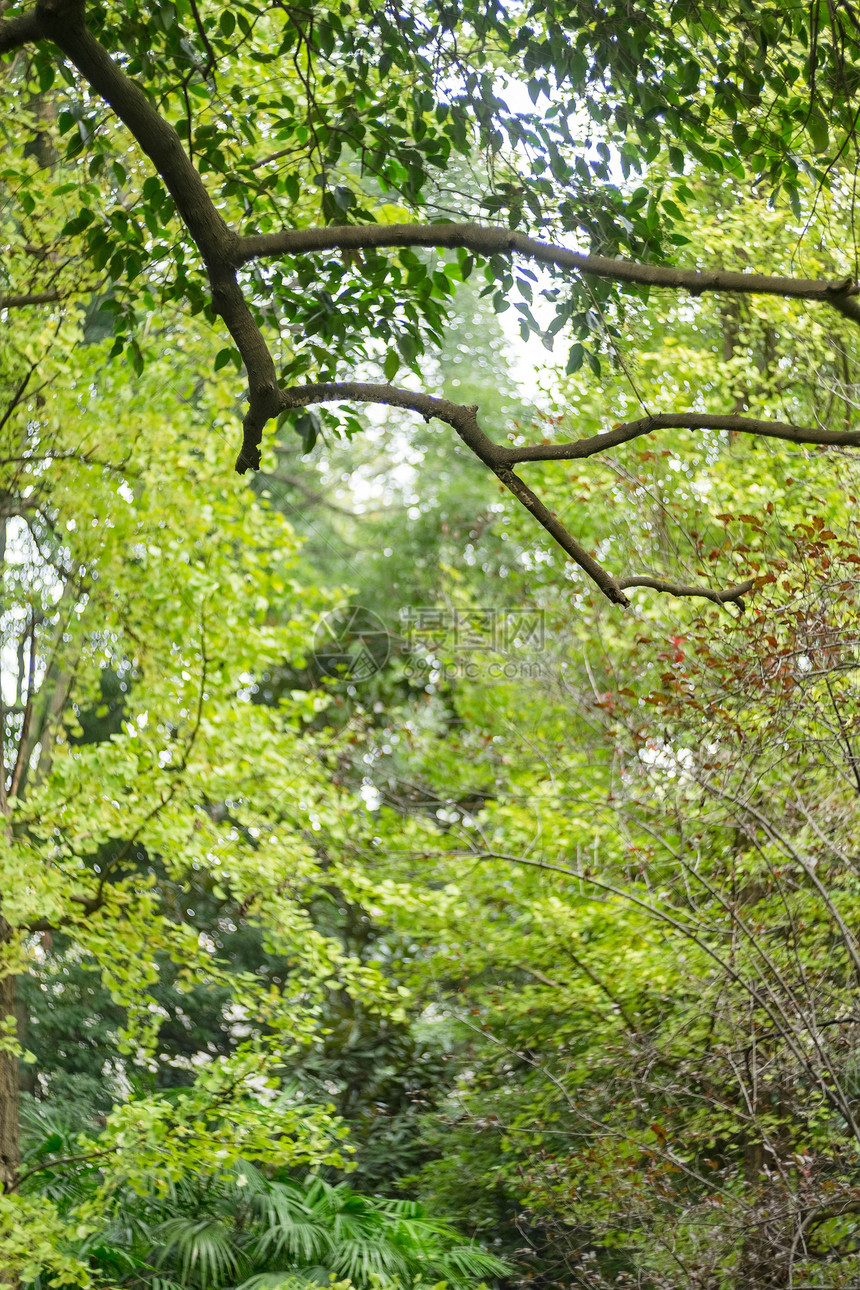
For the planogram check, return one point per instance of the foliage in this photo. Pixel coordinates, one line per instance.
(647, 966)
(200, 789)
(384, 119)
(570, 952)
(239, 1225)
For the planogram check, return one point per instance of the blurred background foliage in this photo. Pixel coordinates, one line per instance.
(530, 958)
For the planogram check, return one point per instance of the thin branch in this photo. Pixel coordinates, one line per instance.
(64, 1160)
(851, 756)
(849, 940)
(601, 1126)
(31, 298)
(681, 421)
(211, 61)
(598, 981)
(489, 240)
(310, 493)
(833, 1096)
(273, 156)
(723, 597)
(28, 714)
(464, 419)
(539, 976)
(4, 798)
(19, 393)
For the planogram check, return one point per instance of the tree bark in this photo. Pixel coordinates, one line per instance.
(10, 1154)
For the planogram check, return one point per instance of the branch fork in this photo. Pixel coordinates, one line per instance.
(224, 252)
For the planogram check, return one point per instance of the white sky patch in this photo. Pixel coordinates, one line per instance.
(530, 358)
(371, 795)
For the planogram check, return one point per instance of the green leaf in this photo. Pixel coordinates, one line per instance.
(575, 358)
(307, 427)
(78, 223)
(819, 133)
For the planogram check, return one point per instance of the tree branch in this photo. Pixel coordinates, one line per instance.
(15, 32)
(464, 420)
(489, 240)
(224, 252)
(63, 22)
(30, 298)
(587, 563)
(680, 421)
(680, 589)
(794, 1038)
(461, 418)
(63, 1160)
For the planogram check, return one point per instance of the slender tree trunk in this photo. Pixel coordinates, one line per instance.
(10, 1156)
(9, 1145)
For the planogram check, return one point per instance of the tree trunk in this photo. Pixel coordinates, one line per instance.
(10, 1151)
(10, 1157)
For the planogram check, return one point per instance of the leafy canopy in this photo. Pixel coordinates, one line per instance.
(318, 181)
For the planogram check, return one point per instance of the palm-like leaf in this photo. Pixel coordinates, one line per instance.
(208, 1233)
(48, 1134)
(361, 1261)
(465, 1264)
(403, 1208)
(273, 1281)
(291, 1229)
(321, 1230)
(203, 1250)
(249, 1179)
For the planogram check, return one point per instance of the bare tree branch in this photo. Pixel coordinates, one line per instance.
(30, 298)
(735, 594)
(795, 1036)
(464, 419)
(587, 563)
(681, 421)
